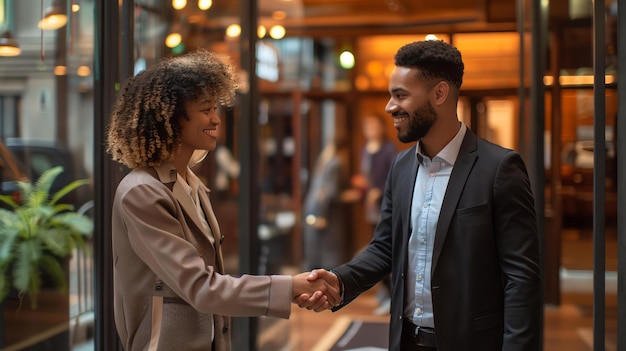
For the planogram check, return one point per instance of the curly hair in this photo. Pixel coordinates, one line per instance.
(144, 129)
(434, 59)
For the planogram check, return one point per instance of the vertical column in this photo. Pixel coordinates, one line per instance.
(621, 179)
(106, 173)
(247, 122)
(599, 173)
(61, 81)
(539, 30)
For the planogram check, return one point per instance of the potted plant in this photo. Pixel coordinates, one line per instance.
(37, 235)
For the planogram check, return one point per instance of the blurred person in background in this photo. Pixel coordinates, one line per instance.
(325, 208)
(376, 157)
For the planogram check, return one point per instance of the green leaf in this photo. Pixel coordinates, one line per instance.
(6, 244)
(54, 270)
(46, 179)
(75, 222)
(9, 201)
(25, 270)
(56, 242)
(67, 189)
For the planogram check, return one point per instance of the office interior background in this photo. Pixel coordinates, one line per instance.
(541, 77)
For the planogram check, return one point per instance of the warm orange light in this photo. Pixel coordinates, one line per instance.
(374, 68)
(277, 32)
(279, 15)
(179, 4)
(362, 82)
(233, 31)
(261, 32)
(205, 4)
(173, 40)
(60, 70)
(54, 18)
(83, 71)
(576, 80)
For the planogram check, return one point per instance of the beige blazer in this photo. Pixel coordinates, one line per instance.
(170, 291)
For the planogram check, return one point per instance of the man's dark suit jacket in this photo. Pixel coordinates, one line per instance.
(485, 273)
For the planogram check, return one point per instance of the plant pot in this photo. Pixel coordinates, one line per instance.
(45, 328)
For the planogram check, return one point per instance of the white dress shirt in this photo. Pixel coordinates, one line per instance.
(430, 187)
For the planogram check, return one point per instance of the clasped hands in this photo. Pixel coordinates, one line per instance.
(317, 290)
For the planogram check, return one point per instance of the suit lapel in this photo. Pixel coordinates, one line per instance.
(406, 184)
(458, 178)
(406, 168)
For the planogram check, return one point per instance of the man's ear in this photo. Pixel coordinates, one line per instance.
(442, 92)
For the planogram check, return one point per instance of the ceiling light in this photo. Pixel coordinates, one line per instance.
(346, 60)
(261, 31)
(179, 4)
(83, 71)
(53, 18)
(60, 70)
(205, 4)
(75, 8)
(277, 32)
(8, 45)
(233, 31)
(173, 39)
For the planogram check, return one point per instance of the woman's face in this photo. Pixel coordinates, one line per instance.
(201, 131)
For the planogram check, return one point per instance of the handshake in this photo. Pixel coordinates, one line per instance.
(317, 290)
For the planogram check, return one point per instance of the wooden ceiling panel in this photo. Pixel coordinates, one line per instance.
(334, 14)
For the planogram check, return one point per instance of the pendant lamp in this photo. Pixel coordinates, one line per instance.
(8, 45)
(54, 18)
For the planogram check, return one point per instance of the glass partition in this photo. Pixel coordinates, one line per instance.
(46, 121)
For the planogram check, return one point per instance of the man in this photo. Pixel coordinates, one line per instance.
(457, 231)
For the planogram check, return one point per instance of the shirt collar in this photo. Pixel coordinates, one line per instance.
(191, 184)
(450, 152)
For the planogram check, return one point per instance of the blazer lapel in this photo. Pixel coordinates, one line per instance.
(462, 168)
(167, 174)
(212, 220)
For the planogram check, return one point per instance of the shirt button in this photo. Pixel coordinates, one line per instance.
(419, 278)
(426, 205)
(419, 310)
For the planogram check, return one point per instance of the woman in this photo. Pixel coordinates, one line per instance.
(170, 291)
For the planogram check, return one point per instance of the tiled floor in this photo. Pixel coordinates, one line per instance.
(567, 327)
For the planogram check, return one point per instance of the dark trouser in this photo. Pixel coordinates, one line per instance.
(422, 340)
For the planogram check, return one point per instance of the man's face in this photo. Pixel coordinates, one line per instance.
(409, 105)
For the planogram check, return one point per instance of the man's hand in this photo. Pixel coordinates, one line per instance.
(312, 292)
(317, 302)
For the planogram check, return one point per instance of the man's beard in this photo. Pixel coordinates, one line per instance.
(420, 122)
